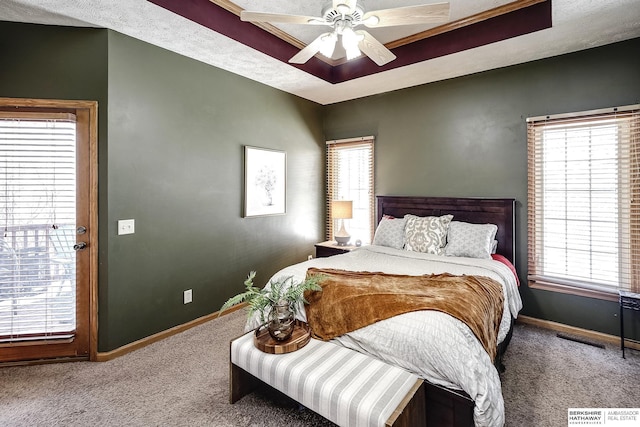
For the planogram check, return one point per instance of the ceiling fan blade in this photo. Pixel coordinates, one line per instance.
(277, 17)
(309, 51)
(421, 14)
(374, 49)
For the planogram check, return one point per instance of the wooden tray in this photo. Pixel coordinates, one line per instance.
(299, 338)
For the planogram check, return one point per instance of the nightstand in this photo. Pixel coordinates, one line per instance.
(631, 301)
(330, 248)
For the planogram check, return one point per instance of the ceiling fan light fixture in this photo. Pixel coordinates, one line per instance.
(353, 52)
(328, 44)
(350, 42)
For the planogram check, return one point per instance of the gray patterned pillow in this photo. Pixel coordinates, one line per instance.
(390, 232)
(426, 234)
(470, 240)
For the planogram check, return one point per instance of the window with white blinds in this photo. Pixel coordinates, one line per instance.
(350, 176)
(37, 220)
(584, 201)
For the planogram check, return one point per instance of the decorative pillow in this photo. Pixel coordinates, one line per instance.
(426, 234)
(470, 240)
(390, 232)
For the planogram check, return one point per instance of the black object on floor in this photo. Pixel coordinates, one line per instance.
(580, 340)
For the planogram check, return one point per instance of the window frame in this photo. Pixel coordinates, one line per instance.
(333, 147)
(628, 238)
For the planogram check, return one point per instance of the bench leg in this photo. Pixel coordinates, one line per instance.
(412, 410)
(241, 383)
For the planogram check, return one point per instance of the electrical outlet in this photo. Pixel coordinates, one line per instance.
(188, 296)
(126, 226)
(310, 257)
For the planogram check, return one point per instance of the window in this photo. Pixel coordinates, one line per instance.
(584, 201)
(350, 177)
(38, 194)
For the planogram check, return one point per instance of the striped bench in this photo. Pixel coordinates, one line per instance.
(344, 386)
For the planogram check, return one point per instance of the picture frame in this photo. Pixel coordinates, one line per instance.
(265, 181)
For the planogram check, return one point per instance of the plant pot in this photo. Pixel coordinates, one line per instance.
(281, 321)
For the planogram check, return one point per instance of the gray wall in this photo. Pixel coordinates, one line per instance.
(466, 137)
(171, 137)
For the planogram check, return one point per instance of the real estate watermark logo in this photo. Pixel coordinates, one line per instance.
(624, 417)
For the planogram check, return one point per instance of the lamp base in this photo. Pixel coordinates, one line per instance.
(342, 237)
(342, 240)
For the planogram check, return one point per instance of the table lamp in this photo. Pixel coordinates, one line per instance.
(342, 209)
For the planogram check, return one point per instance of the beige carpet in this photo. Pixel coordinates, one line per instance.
(546, 375)
(183, 381)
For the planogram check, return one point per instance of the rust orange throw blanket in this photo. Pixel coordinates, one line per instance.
(352, 300)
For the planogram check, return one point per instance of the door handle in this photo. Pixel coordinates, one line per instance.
(79, 246)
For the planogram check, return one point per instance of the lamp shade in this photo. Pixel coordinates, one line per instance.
(342, 209)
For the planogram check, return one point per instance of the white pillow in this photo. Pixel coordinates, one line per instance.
(426, 234)
(390, 232)
(470, 240)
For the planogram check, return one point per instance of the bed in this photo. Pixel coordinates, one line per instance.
(463, 384)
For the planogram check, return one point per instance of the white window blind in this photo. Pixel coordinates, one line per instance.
(37, 220)
(350, 176)
(584, 200)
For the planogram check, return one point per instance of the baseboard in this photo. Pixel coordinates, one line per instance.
(136, 345)
(547, 324)
(585, 333)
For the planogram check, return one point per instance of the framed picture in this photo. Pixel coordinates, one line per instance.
(265, 181)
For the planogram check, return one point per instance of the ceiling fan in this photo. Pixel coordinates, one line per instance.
(345, 15)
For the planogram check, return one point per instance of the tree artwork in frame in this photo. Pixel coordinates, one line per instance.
(265, 176)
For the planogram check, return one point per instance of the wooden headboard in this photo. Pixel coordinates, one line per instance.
(475, 210)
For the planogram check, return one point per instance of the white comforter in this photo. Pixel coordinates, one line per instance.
(434, 345)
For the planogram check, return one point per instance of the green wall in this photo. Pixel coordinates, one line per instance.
(171, 137)
(177, 128)
(466, 137)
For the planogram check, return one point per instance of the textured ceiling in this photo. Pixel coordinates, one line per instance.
(576, 25)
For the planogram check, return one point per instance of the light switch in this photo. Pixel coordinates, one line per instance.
(188, 296)
(126, 226)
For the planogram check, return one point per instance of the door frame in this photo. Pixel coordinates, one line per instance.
(84, 110)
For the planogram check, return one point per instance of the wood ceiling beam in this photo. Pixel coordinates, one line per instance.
(235, 9)
(464, 22)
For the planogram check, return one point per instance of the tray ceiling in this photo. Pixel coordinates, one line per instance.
(209, 31)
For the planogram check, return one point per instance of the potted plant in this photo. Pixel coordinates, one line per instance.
(279, 300)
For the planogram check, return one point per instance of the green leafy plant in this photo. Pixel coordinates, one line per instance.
(280, 290)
